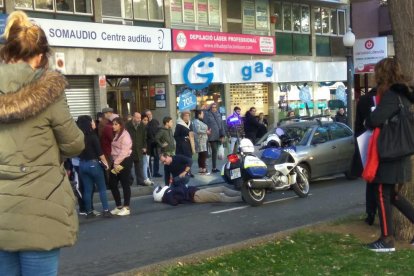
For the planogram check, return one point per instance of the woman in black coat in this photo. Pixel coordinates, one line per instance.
(388, 75)
(183, 134)
(251, 125)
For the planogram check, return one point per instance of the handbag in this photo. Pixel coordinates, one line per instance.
(396, 139)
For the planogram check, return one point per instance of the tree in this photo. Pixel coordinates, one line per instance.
(402, 22)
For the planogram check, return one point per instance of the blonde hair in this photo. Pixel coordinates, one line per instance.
(24, 40)
(387, 72)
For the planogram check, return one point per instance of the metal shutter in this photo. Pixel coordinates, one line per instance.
(80, 96)
(248, 95)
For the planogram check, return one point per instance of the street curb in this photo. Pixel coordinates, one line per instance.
(154, 269)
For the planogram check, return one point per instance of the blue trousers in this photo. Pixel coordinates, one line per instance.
(91, 172)
(28, 263)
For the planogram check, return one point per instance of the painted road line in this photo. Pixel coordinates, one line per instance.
(244, 207)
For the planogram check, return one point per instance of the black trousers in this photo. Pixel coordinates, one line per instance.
(386, 197)
(370, 199)
(202, 157)
(167, 175)
(139, 172)
(124, 176)
(155, 167)
(214, 149)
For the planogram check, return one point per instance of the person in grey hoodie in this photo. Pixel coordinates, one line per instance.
(166, 143)
(212, 119)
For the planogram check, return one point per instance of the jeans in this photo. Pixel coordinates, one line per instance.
(28, 263)
(139, 172)
(145, 165)
(91, 172)
(233, 142)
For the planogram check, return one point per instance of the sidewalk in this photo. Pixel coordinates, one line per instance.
(198, 180)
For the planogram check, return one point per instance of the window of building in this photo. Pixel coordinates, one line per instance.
(117, 8)
(148, 10)
(255, 16)
(1, 3)
(59, 6)
(292, 17)
(329, 21)
(196, 12)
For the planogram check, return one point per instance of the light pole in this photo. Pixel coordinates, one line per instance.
(349, 41)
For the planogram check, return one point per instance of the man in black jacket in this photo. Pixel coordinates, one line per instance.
(152, 128)
(365, 103)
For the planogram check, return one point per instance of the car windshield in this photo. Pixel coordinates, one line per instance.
(299, 133)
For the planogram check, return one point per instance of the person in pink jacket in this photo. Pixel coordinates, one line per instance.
(121, 149)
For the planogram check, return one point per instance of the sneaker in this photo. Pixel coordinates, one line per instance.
(157, 175)
(116, 210)
(124, 212)
(148, 182)
(107, 214)
(82, 213)
(381, 246)
(96, 213)
(90, 215)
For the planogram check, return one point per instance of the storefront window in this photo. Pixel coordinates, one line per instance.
(214, 93)
(278, 14)
(296, 18)
(59, 6)
(246, 95)
(305, 19)
(334, 22)
(156, 10)
(325, 15)
(287, 17)
(318, 23)
(200, 12)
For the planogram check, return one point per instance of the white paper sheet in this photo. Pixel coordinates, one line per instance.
(363, 142)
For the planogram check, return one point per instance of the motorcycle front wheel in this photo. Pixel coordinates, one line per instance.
(253, 197)
(301, 187)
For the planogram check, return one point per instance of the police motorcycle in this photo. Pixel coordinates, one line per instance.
(276, 170)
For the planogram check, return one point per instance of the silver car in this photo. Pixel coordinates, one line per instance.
(326, 148)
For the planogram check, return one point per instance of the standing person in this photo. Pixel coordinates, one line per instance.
(165, 141)
(183, 134)
(138, 135)
(235, 128)
(263, 126)
(363, 109)
(391, 88)
(152, 129)
(90, 170)
(37, 210)
(251, 124)
(106, 131)
(201, 132)
(213, 120)
(121, 168)
(340, 116)
(145, 156)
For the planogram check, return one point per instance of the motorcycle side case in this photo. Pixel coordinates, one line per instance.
(225, 174)
(255, 167)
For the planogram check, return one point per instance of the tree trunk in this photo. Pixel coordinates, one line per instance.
(402, 22)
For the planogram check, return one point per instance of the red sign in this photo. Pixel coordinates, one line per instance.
(215, 42)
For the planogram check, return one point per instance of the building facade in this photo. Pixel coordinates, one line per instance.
(147, 54)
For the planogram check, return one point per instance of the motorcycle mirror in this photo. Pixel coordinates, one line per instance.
(279, 132)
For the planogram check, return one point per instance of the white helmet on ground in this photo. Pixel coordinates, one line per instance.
(246, 145)
(273, 141)
(158, 193)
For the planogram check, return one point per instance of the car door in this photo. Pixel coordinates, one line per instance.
(343, 139)
(323, 153)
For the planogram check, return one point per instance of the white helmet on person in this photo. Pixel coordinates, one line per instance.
(273, 141)
(246, 145)
(158, 193)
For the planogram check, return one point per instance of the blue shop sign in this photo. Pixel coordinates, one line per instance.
(3, 20)
(187, 101)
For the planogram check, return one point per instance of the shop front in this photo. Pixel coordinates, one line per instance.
(119, 66)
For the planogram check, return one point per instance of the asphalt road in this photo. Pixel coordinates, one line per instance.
(157, 232)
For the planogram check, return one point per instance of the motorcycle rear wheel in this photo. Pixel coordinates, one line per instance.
(301, 187)
(253, 197)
